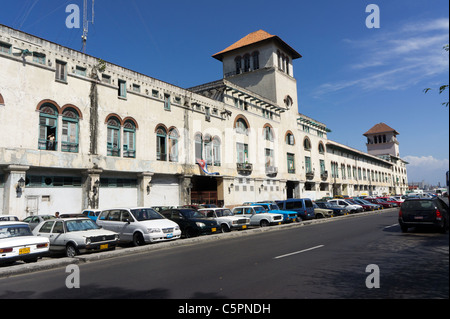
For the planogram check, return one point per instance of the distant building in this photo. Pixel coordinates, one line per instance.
(80, 133)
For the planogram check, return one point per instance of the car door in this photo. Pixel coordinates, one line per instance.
(126, 225)
(58, 236)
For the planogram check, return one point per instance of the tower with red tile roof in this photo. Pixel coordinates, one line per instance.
(382, 140)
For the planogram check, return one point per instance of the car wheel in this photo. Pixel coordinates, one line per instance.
(71, 251)
(225, 228)
(404, 228)
(190, 233)
(138, 240)
(264, 223)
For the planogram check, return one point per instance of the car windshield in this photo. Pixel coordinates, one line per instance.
(11, 231)
(80, 225)
(259, 209)
(143, 214)
(274, 207)
(190, 213)
(365, 201)
(224, 212)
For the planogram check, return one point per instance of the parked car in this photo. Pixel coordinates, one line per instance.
(337, 210)
(226, 219)
(92, 213)
(344, 203)
(391, 200)
(258, 216)
(322, 212)
(74, 236)
(18, 243)
(33, 221)
(9, 218)
(191, 222)
(139, 226)
(424, 212)
(378, 201)
(303, 207)
(288, 216)
(366, 207)
(363, 202)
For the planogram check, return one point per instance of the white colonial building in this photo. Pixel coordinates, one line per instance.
(77, 132)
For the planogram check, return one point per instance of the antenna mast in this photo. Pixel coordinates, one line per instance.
(86, 23)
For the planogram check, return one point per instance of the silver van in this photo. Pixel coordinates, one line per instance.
(139, 225)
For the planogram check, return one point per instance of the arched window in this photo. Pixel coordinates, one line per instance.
(241, 126)
(70, 131)
(208, 149)
(268, 133)
(129, 139)
(321, 148)
(238, 62)
(48, 127)
(198, 146)
(216, 151)
(290, 140)
(255, 56)
(307, 144)
(173, 145)
(161, 143)
(113, 138)
(246, 63)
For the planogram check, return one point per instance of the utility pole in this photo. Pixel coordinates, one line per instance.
(86, 23)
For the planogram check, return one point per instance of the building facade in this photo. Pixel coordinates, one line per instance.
(78, 132)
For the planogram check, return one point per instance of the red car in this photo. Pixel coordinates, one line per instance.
(380, 201)
(391, 200)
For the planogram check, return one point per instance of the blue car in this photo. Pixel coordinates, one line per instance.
(303, 207)
(288, 216)
(92, 214)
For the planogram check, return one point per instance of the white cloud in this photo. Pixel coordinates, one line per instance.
(426, 168)
(396, 60)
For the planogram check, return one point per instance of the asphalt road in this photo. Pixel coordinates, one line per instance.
(319, 261)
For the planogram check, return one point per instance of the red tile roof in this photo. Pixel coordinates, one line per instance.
(381, 128)
(255, 37)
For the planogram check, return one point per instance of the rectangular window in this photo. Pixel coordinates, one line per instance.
(136, 88)
(270, 162)
(69, 137)
(61, 71)
(167, 102)
(207, 114)
(5, 48)
(122, 89)
(129, 149)
(322, 166)
(39, 58)
(242, 153)
(308, 167)
(291, 163)
(106, 79)
(113, 142)
(80, 71)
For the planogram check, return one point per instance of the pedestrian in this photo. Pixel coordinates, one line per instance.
(57, 215)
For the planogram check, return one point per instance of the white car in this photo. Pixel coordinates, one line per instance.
(75, 236)
(139, 225)
(9, 218)
(349, 206)
(258, 216)
(226, 219)
(18, 243)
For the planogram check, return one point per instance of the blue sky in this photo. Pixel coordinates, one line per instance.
(350, 77)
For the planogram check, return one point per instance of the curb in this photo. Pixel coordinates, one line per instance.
(49, 264)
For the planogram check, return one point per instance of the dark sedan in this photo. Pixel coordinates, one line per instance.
(191, 222)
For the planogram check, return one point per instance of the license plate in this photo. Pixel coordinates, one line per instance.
(169, 236)
(418, 217)
(24, 251)
(214, 230)
(279, 223)
(244, 227)
(104, 246)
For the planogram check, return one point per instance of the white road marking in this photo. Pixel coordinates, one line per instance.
(391, 226)
(299, 252)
